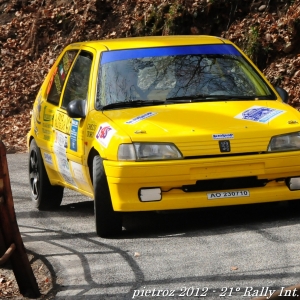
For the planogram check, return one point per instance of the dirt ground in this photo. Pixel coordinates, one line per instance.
(9, 288)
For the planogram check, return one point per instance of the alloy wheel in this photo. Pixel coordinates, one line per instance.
(34, 174)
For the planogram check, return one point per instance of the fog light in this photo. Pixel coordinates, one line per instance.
(150, 194)
(294, 183)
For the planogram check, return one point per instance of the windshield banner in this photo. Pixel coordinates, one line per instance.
(116, 55)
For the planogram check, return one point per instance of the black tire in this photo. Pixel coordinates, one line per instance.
(44, 195)
(108, 222)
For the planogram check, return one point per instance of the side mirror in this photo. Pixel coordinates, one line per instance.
(76, 109)
(282, 93)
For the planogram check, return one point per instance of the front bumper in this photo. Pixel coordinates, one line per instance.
(125, 179)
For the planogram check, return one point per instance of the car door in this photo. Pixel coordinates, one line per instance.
(46, 106)
(69, 147)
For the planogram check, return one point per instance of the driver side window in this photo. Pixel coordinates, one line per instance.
(78, 81)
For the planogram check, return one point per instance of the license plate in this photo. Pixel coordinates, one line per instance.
(231, 194)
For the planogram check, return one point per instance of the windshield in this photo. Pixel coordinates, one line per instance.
(178, 73)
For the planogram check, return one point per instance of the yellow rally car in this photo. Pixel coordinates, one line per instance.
(161, 123)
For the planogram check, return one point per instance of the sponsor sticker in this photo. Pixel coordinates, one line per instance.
(62, 122)
(64, 169)
(90, 130)
(80, 177)
(47, 117)
(104, 134)
(78, 172)
(61, 139)
(73, 135)
(91, 127)
(140, 118)
(60, 145)
(221, 136)
(259, 114)
(47, 131)
(48, 158)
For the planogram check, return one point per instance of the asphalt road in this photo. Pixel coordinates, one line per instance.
(219, 253)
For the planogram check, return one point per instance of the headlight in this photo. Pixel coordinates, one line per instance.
(148, 151)
(126, 152)
(285, 142)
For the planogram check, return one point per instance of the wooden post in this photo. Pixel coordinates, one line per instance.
(11, 234)
(3, 247)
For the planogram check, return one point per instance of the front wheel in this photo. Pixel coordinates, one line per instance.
(107, 221)
(44, 195)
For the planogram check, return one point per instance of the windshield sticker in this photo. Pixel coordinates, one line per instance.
(260, 114)
(222, 136)
(140, 118)
(104, 134)
(73, 135)
(61, 72)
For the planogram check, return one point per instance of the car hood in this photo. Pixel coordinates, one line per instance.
(196, 128)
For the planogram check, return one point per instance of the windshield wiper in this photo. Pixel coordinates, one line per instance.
(180, 99)
(198, 98)
(132, 103)
(246, 97)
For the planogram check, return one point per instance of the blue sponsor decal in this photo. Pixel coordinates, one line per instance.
(111, 56)
(73, 135)
(260, 114)
(140, 118)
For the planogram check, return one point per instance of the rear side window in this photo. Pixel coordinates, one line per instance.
(59, 76)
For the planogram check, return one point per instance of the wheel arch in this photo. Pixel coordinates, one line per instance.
(95, 149)
(93, 152)
(29, 139)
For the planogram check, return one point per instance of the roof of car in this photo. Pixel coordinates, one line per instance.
(153, 41)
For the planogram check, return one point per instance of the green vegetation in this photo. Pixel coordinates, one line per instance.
(160, 20)
(253, 46)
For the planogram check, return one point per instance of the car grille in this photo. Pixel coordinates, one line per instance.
(206, 148)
